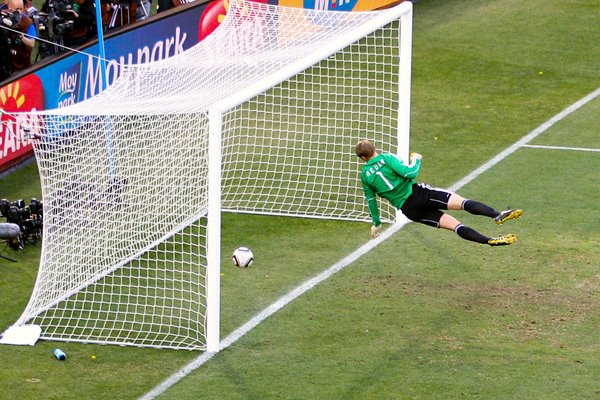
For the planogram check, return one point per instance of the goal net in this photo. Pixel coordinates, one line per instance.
(261, 117)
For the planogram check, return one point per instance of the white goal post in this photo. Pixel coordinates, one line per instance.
(261, 117)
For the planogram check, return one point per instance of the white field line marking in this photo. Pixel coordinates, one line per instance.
(361, 251)
(525, 139)
(537, 146)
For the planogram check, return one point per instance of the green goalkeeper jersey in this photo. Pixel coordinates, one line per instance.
(385, 175)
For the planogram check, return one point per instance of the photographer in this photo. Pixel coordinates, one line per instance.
(84, 17)
(28, 219)
(72, 22)
(19, 43)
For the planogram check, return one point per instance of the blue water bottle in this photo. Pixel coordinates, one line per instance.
(59, 354)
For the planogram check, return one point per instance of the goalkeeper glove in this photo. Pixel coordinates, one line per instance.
(375, 230)
(415, 156)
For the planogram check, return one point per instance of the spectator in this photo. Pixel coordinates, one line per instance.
(116, 13)
(84, 28)
(144, 8)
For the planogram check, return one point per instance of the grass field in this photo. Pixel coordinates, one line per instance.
(424, 315)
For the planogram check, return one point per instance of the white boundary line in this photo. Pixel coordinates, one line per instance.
(361, 251)
(525, 139)
(537, 146)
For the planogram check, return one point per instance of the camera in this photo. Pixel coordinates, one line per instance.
(60, 6)
(10, 19)
(28, 218)
(53, 24)
(6, 39)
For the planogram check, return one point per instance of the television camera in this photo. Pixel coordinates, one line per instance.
(29, 219)
(10, 19)
(7, 39)
(53, 23)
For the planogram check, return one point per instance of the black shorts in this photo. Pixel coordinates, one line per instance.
(425, 203)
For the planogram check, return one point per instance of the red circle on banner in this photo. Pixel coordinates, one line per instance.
(25, 94)
(213, 15)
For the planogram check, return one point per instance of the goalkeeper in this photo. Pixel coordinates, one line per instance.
(385, 175)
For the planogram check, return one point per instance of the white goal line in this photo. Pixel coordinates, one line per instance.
(539, 146)
(361, 251)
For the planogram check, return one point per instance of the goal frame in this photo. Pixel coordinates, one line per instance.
(214, 200)
(404, 12)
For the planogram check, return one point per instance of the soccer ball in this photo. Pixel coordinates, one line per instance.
(242, 257)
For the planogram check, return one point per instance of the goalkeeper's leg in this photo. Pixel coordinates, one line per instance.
(425, 206)
(457, 202)
(467, 233)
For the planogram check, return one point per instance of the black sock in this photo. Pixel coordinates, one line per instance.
(478, 208)
(470, 234)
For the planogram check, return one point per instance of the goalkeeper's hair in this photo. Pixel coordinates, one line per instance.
(365, 149)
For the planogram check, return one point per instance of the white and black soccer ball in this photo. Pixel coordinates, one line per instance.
(243, 257)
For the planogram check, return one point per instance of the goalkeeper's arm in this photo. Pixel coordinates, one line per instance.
(373, 209)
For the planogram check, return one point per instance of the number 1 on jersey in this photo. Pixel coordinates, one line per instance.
(384, 179)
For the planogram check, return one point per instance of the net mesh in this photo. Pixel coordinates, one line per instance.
(124, 174)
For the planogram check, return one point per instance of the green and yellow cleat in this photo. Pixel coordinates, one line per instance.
(502, 240)
(506, 215)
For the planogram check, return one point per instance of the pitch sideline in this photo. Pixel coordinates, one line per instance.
(361, 251)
